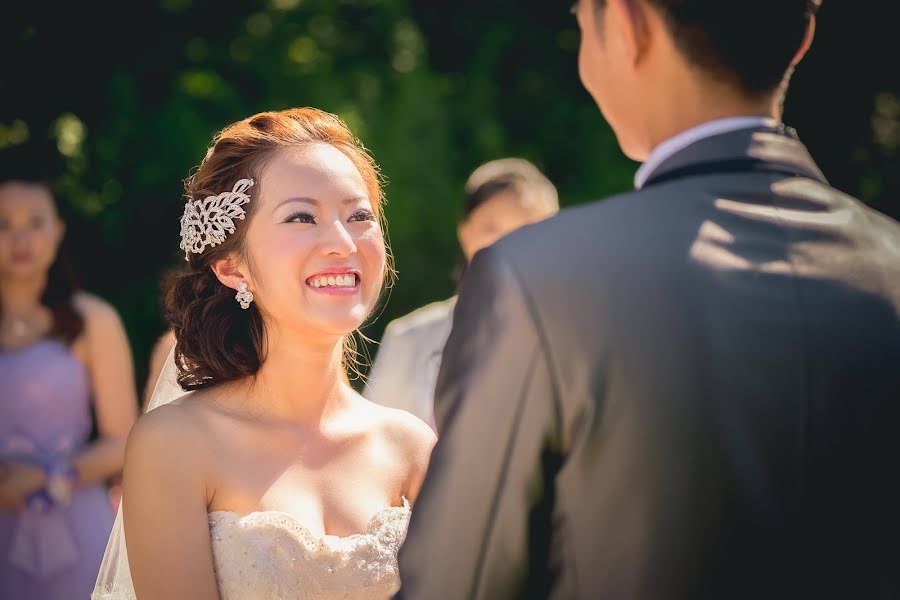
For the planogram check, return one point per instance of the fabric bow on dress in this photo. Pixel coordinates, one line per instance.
(43, 543)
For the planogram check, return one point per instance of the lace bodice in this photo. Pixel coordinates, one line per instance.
(271, 556)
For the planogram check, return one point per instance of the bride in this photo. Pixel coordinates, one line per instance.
(272, 479)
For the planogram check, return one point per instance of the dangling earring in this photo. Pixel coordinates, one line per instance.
(243, 297)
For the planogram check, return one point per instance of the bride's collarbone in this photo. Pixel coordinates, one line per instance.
(324, 493)
(273, 453)
(331, 482)
(253, 484)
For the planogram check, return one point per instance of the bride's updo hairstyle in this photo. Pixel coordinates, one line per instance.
(218, 341)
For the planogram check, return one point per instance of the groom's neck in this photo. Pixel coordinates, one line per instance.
(682, 98)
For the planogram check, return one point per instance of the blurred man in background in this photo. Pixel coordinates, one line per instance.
(500, 197)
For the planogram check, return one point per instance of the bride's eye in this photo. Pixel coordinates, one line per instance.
(301, 217)
(362, 215)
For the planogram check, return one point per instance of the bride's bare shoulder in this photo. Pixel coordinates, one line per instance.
(410, 438)
(403, 428)
(175, 433)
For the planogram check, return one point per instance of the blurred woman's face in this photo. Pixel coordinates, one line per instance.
(494, 218)
(30, 229)
(315, 250)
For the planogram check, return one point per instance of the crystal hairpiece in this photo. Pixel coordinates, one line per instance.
(207, 222)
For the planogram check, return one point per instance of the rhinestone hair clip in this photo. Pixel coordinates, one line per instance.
(207, 222)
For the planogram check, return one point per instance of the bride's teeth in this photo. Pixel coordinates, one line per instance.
(335, 281)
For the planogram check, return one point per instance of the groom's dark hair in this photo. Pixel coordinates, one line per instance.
(749, 43)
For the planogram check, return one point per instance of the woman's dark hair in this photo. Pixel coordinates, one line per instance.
(62, 284)
(749, 43)
(217, 340)
(32, 166)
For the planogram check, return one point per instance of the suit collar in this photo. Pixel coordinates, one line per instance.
(768, 143)
(679, 142)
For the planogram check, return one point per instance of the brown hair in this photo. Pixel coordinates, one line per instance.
(217, 341)
(29, 166)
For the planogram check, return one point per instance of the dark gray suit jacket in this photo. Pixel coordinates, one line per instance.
(687, 391)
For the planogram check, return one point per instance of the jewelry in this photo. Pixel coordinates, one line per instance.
(243, 297)
(19, 327)
(207, 222)
(61, 480)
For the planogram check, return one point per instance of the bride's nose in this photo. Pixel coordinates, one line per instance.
(336, 240)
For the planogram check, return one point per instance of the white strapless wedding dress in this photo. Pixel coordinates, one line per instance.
(270, 556)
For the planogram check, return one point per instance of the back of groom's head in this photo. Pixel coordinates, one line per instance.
(746, 49)
(751, 43)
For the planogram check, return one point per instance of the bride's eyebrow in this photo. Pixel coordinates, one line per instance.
(303, 199)
(314, 202)
(354, 200)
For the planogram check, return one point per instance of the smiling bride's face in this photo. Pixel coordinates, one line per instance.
(314, 253)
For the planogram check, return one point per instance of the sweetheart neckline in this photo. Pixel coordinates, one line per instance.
(257, 514)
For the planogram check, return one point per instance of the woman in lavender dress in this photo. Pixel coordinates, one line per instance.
(63, 354)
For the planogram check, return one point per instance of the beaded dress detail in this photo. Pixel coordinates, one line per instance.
(269, 555)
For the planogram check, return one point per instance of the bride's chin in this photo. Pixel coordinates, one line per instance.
(339, 328)
(329, 321)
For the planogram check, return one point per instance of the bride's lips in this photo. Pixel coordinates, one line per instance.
(335, 281)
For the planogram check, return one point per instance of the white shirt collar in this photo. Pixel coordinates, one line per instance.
(684, 139)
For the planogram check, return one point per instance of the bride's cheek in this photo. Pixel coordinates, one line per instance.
(371, 245)
(374, 258)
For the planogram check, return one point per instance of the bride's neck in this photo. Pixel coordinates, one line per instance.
(301, 381)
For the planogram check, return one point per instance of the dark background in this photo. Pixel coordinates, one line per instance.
(126, 96)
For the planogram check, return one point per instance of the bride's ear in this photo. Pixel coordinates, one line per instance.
(230, 273)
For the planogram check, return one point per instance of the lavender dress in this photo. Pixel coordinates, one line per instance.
(48, 552)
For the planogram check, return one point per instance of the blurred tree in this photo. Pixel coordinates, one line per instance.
(130, 95)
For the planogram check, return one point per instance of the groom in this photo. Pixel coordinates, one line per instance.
(690, 390)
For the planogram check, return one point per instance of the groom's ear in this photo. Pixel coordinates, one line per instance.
(630, 26)
(230, 272)
(807, 40)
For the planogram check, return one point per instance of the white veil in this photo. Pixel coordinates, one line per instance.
(114, 579)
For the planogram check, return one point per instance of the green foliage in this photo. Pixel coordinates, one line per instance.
(433, 89)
